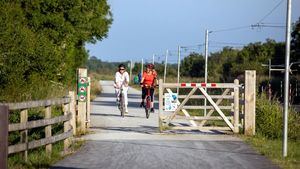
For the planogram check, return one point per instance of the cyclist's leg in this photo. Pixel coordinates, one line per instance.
(117, 92)
(152, 97)
(144, 92)
(125, 91)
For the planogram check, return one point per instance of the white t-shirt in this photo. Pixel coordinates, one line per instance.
(121, 79)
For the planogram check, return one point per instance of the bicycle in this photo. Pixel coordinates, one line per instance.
(121, 104)
(148, 100)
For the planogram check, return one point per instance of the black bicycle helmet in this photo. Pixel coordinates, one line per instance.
(150, 66)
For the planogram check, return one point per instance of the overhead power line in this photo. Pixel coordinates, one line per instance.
(230, 29)
(269, 13)
(262, 25)
(227, 43)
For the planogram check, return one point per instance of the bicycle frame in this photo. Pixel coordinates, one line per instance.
(122, 102)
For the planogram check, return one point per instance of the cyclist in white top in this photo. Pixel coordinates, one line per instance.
(122, 81)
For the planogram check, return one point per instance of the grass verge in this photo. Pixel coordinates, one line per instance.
(38, 158)
(273, 150)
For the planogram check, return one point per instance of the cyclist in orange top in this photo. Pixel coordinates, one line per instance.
(149, 79)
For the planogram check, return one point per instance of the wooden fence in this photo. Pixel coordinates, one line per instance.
(68, 118)
(75, 118)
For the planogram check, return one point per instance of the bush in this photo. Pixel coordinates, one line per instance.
(95, 85)
(269, 119)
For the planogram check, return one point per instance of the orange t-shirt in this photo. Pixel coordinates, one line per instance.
(149, 78)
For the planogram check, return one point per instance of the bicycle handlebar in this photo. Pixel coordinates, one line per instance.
(150, 86)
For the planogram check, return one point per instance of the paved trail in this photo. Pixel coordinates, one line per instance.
(134, 142)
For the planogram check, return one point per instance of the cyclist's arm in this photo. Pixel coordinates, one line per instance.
(155, 82)
(142, 79)
(142, 82)
(126, 82)
(116, 81)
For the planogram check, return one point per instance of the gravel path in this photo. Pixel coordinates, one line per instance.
(134, 142)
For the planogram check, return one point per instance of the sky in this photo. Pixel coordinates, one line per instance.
(143, 28)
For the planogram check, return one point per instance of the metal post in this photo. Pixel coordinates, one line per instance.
(206, 59)
(178, 69)
(281, 89)
(142, 67)
(3, 136)
(130, 73)
(153, 57)
(286, 78)
(296, 88)
(269, 70)
(166, 62)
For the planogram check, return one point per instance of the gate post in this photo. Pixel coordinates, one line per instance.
(160, 103)
(3, 136)
(236, 106)
(250, 101)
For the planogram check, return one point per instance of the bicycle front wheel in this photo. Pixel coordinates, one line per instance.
(147, 107)
(122, 105)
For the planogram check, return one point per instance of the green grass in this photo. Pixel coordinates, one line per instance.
(273, 150)
(95, 85)
(38, 158)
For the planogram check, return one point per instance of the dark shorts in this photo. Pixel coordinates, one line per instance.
(144, 93)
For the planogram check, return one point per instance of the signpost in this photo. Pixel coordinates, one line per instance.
(82, 85)
(171, 101)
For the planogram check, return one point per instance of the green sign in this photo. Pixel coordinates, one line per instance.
(82, 88)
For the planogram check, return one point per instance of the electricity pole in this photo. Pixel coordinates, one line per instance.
(166, 62)
(142, 67)
(178, 69)
(130, 73)
(286, 77)
(153, 56)
(206, 59)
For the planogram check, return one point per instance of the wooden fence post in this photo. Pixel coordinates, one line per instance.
(236, 107)
(250, 101)
(66, 110)
(48, 129)
(24, 133)
(73, 110)
(82, 104)
(88, 106)
(4, 136)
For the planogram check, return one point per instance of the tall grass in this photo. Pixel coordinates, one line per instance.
(269, 119)
(95, 85)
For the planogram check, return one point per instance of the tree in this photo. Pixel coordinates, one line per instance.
(193, 65)
(295, 42)
(42, 41)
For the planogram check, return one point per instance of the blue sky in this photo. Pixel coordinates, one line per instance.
(142, 28)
